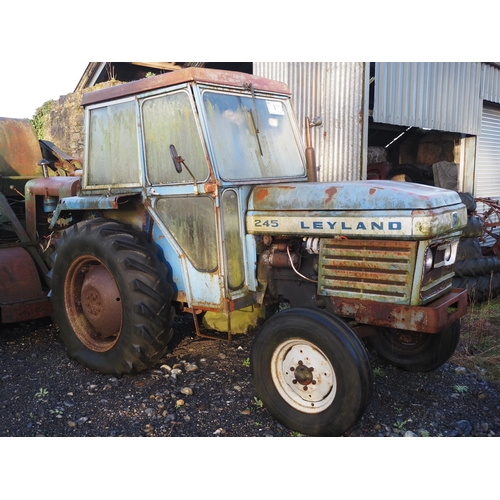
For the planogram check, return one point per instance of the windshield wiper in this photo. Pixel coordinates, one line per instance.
(255, 117)
(256, 131)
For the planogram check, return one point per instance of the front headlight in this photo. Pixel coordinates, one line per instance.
(440, 255)
(447, 253)
(428, 260)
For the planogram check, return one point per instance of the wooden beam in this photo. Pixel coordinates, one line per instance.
(170, 66)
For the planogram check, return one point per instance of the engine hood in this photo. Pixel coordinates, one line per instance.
(355, 209)
(358, 195)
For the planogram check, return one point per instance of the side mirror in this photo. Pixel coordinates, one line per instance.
(176, 159)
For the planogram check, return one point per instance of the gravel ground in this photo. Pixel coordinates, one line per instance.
(202, 387)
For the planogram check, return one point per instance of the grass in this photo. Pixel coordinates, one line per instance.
(480, 339)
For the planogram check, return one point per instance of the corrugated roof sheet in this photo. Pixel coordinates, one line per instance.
(334, 91)
(491, 83)
(435, 95)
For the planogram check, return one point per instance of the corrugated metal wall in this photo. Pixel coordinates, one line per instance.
(491, 84)
(488, 155)
(439, 95)
(334, 91)
(488, 162)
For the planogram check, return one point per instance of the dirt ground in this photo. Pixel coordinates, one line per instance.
(203, 387)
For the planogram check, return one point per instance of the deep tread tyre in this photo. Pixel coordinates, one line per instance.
(477, 267)
(411, 173)
(324, 401)
(474, 227)
(469, 201)
(416, 352)
(479, 288)
(469, 248)
(111, 301)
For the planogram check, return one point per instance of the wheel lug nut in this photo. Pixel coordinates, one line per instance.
(305, 388)
(294, 381)
(292, 369)
(300, 363)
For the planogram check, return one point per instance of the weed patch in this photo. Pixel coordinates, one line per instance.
(480, 339)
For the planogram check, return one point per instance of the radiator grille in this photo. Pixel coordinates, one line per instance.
(368, 270)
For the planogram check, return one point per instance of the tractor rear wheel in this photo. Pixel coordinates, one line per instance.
(415, 351)
(111, 300)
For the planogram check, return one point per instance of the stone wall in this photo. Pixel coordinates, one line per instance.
(63, 124)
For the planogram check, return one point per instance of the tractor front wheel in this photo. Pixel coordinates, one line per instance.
(311, 371)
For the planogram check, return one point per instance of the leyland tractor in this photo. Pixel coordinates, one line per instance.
(196, 195)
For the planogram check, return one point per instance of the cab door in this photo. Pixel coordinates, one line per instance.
(186, 220)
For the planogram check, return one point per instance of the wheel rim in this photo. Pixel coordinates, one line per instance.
(405, 341)
(93, 304)
(303, 376)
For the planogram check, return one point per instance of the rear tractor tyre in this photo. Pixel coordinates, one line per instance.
(311, 372)
(469, 248)
(479, 288)
(112, 302)
(469, 201)
(481, 266)
(474, 227)
(414, 351)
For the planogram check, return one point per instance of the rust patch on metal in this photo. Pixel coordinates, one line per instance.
(21, 294)
(261, 194)
(432, 318)
(201, 75)
(26, 310)
(61, 187)
(18, 276)
(372, 191)
(491, 223)
(210, 188)
(19, 148)
(101, 300)
(331, 192)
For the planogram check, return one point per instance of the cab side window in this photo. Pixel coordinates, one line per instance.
(169, 119)
(113, 152)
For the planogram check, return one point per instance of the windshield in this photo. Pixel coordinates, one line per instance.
(252, 138)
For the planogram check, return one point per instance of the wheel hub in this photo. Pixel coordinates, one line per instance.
(304, 376)
(101, 301)
(407, 339)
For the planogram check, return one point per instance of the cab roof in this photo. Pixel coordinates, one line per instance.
(200, 75)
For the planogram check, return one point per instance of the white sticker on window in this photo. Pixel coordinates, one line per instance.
(275, 108)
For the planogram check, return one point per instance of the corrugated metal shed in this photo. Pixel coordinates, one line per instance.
(439, 95)
(488, 155)
(491, 83)
(334, 91)
(488, 162)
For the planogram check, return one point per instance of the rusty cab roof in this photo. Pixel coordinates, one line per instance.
(201, 75)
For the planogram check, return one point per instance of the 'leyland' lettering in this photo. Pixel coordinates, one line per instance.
(345, 226)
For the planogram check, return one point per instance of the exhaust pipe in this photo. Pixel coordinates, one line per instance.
(312, 171)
